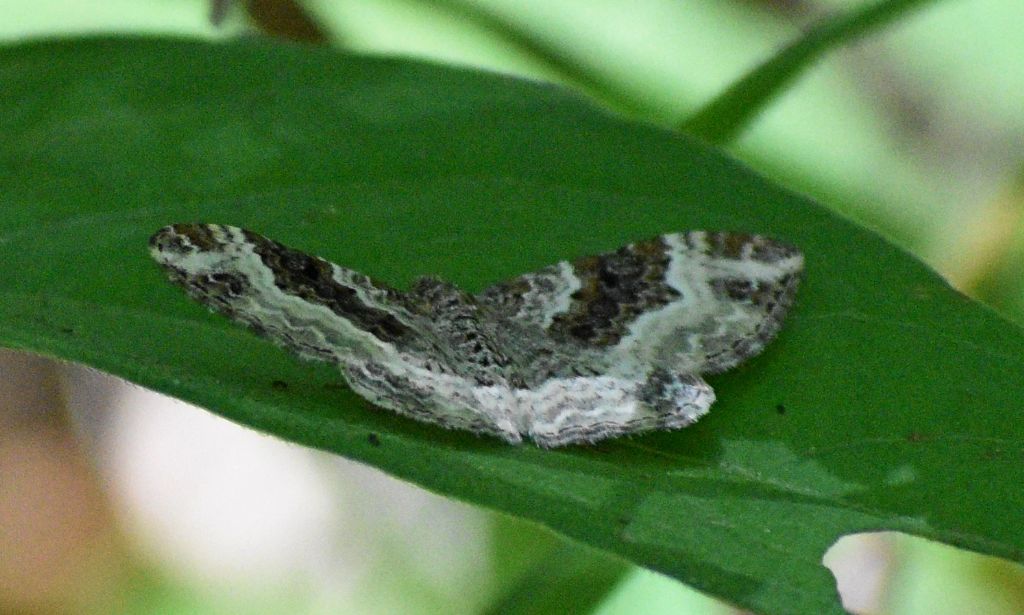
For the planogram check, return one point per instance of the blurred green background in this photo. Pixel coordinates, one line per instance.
(916, 131)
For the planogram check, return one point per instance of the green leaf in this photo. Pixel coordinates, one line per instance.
(570, 579)
(546, 54)
(889, 401)
(722, 119)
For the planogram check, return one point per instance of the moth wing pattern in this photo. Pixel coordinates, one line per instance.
(308, 305)
(694, 303)
(321, 311)
(593, 408)
(575, 352)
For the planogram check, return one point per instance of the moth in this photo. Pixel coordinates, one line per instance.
(576, 352)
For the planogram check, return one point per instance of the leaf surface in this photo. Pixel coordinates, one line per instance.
(889, 401)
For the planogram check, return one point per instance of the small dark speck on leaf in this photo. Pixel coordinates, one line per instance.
(915, 436)
(780, 409)
(67, 330)
(279, 385)
(373, 439)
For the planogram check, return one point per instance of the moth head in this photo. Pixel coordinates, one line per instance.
(433, 293)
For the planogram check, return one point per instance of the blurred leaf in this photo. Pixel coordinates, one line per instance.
(888, 402)
(722, 119)
(570, 579)
(286, 19)
(564, 63)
